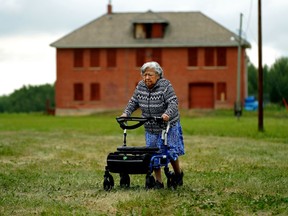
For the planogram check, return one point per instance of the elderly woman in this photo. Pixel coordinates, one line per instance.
(155, 96)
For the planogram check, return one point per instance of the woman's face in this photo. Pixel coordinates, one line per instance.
(150, 77)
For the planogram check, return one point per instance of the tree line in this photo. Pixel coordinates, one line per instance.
(275, 81)
(29, 99)
(35, 98)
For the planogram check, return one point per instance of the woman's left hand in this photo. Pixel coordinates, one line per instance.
(165, 117)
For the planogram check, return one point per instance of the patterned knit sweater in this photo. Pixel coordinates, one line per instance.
(154, 102)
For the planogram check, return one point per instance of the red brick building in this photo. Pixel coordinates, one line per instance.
(98, 64)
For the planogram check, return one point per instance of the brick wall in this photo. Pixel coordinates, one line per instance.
(117, 84)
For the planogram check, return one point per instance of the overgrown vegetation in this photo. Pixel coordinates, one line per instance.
(28, 99)
(275, 80)
(55, 165)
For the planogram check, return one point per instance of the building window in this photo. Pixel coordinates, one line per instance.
(157, 55)
(149, 30)
(140, 57)
(209, 56)
(139, 31)
(221, 91)
(94, 58)
(143, 55)
(157, 30)
(192, 57)
(95, 92)
(78, 58)
(111, 57)
(221, 56)
(78, 92)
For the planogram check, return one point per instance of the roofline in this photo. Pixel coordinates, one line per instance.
(150, 46)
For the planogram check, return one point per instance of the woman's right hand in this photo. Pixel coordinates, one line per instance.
(123, 115)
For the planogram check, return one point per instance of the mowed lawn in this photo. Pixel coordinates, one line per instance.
(55, 166)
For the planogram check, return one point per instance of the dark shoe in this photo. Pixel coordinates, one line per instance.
(179, 179)
(159, 185)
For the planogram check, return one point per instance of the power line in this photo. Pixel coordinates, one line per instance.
(249, 15)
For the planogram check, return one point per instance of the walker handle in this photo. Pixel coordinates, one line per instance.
(141, 120)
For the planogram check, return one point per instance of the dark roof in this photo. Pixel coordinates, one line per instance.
(149, 17)
(183, 29)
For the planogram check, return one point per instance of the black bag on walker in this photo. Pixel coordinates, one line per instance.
(130, 160)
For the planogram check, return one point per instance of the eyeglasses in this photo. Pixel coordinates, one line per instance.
(148, 74)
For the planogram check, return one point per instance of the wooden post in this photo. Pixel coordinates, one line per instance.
(260, 71)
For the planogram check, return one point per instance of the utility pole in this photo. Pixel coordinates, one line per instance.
(260, 71)
(238, 104)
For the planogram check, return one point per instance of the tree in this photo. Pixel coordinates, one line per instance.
(266, 83)
(253, 81)
(4, 100)
(278, 80)
(28, 99)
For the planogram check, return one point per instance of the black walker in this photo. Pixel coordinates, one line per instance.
(138, 160)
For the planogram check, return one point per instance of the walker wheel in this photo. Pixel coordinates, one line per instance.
(108, 182)
(150, 181)
(171, 180)
(124, 180)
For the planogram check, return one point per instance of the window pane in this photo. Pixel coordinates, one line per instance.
(139, 31)
(94, 91)
(140, 57)
(221, 91)
(209, 56)
(111, 57)
(78, 57)
(192, 57)
(94, 58)
(221, 56)
(78, 92)
(157, 30)
(148, 30)
(157, 55)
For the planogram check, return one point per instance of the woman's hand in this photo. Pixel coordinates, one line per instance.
(123, 115)
(165, 117)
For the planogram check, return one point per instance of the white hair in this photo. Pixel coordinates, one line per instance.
(153, 65)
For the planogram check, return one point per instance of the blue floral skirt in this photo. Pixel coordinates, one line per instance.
(174, 141)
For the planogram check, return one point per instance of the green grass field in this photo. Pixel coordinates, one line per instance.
(55, 166)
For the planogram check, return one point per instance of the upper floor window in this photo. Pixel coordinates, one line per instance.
(94, 58)
(221, 56)
(209, 57)
(157, 55)
(140, 57)
(215, 56)
(193, 56)
(157, 30)
(111, 57)
(149, 30)
(147, 54)
(78, 58)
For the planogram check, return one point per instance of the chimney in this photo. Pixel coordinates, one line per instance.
(109, 8)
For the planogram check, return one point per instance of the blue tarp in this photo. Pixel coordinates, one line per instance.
(251, 103)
